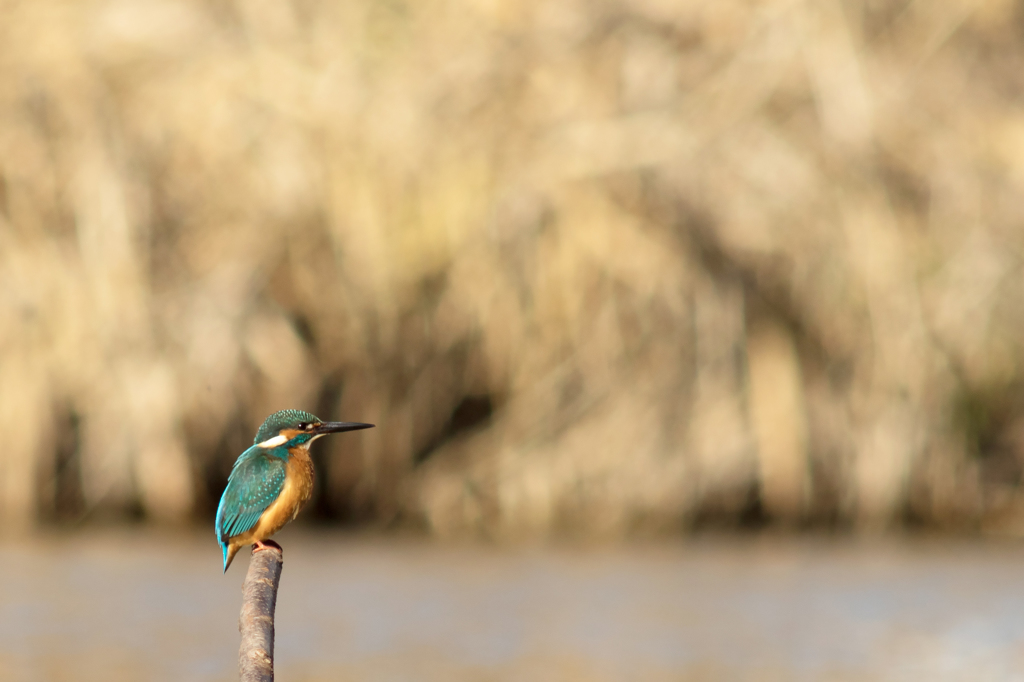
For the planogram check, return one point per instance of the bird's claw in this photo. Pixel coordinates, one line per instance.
(269, 544)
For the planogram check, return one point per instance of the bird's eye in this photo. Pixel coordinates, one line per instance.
(303, 426)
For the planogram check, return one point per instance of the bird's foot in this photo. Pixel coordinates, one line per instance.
(269, 544)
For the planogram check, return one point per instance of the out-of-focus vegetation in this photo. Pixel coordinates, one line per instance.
(600, 267)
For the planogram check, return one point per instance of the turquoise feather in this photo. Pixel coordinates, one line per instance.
(255, 482)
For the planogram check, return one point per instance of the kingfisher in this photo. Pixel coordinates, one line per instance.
(271, 481)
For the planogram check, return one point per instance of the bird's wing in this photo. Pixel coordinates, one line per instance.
(255, 482)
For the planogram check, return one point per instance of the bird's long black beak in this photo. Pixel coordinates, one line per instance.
(338, 427)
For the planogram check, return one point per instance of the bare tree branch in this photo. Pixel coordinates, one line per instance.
(256, 622)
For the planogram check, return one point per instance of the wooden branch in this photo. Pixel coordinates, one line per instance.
(256, 622)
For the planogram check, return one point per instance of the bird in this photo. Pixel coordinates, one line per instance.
(271, 481)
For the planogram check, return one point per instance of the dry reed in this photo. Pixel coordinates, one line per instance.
(603, 267)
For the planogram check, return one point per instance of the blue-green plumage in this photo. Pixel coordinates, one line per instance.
(284, 419)
(255, 482)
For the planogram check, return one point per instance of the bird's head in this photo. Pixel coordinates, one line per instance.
(290, 428)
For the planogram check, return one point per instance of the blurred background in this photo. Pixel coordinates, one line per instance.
(599, 270)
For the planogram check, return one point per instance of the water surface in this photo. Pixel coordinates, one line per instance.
(131, 606)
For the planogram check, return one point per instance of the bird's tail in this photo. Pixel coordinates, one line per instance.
(229, 551)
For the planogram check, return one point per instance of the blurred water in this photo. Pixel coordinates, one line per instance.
(131, 606)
